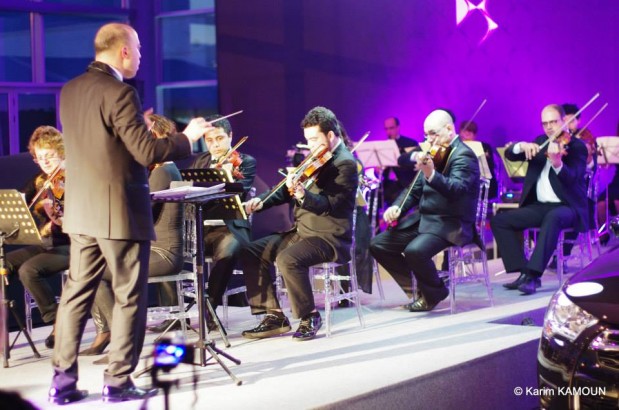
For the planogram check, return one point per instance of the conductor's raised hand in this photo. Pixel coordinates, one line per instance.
(196, 128)
(253, 205)
(392, 214)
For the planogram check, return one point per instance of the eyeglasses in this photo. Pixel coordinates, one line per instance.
(46, 158)
(433, 133)
(547, 124)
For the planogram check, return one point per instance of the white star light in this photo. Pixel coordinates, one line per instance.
(465, 7)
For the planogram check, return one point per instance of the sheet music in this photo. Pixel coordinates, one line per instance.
(187, 192)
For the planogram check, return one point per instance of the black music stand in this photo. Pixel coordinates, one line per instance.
(203, 344)
(17, 227)
(215, 212)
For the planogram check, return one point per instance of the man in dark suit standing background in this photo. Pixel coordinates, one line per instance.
(108, 210)
(554, 197)
(322, 233)
(445, 216)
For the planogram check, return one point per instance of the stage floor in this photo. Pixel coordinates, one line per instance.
(395, 346)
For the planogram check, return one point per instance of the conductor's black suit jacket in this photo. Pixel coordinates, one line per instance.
(108, 148)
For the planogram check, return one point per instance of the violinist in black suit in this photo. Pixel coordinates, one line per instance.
(446, 201)
(322, 232)
(554, 197)
(224, 243)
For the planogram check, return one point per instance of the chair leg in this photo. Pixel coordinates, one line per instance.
(354, 288)
(560, 257)
(28, 309)
(484, 266)
(328, 293)
(379, 283)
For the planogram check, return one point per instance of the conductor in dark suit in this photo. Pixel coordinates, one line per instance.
(224, 243)
(554, 197)
(322, 233)
(445, 216)
(108, 210)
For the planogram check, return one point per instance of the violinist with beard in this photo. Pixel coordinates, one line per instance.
(224, 243)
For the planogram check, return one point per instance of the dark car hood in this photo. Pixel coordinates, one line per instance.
(605, 271)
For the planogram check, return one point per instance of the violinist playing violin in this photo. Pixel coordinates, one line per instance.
(224, 243)
(45, 195)
(323, 210)
(444, 196)
(554, 197)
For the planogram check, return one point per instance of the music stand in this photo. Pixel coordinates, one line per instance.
(478, 149)
(203, 344)
(608, 154)
(379, 154)
(17, 227)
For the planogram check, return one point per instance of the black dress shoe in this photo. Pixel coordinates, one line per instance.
(516, 284)
(65, 396)
(308, 327)
(529, 285)
(116, 394)
(271, 325)
(423, 305)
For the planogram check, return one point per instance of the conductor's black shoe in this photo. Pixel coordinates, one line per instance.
(271, 325)
(65, 396)
(50, 341)
(116, 394)
(516, 284)
(309, 326)
(530, 285)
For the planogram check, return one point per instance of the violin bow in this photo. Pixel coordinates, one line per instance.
(410, 187)
(592, 119)
(363, 138)
(562, 129)
(565, 124)
(468, 122)
(238, 144)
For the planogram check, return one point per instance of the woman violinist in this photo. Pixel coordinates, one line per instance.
(45, 194)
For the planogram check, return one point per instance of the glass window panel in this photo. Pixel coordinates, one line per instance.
(188, 48)
(34, 110)
(15, 56)
(4, 125)
(97, 3)
(69, 44)
(176, 5)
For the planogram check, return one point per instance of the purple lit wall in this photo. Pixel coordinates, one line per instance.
(367, 60)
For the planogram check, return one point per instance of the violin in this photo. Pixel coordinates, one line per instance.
(314, 154)
(310, 171)
(53, 185)
(232, 157)
(48, 203)
(439, 155)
